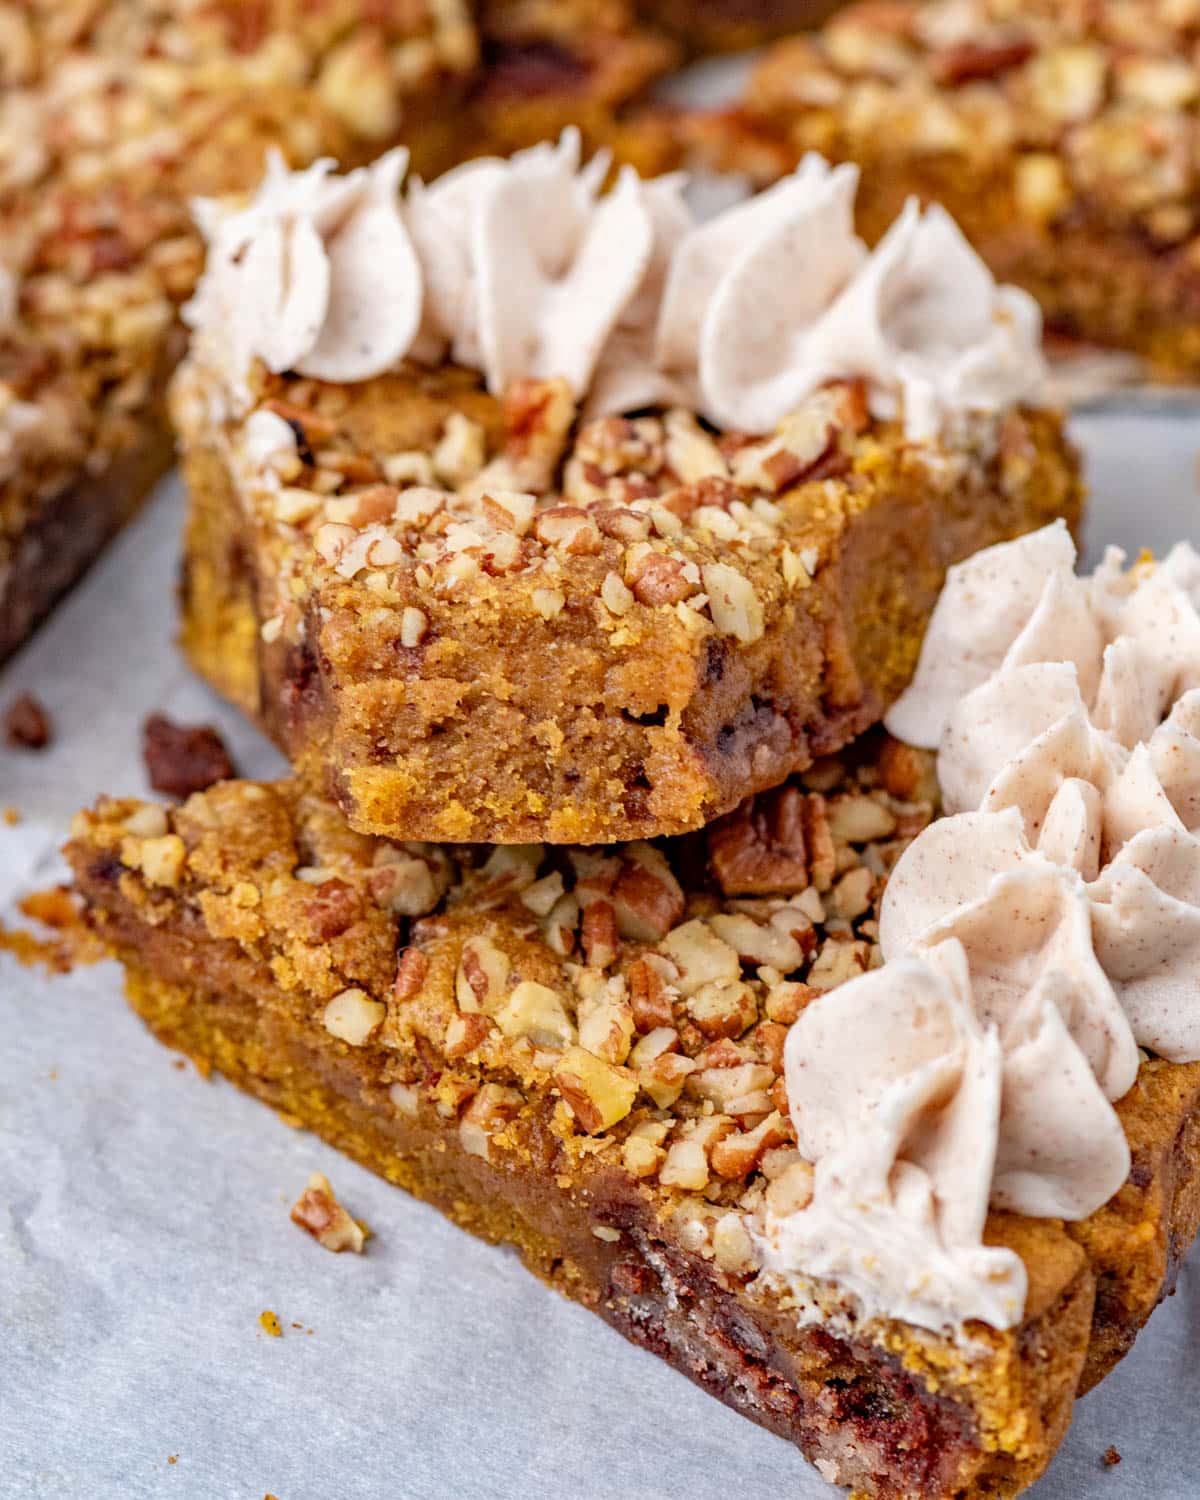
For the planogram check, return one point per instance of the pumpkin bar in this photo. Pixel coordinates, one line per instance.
(1061, 137)
(111, 118)
(579, 1052)
(704, 26)
(522, 658)
(546, 64)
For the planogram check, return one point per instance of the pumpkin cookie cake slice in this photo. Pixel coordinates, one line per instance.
(898, 1212)
(522, 511)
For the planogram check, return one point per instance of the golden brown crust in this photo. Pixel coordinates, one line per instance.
(851, 1405)
(1137, 1242)
(665, 622)
(1062, 138)
(509, 1067)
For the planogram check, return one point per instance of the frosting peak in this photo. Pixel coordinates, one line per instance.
(901, 1201)
(318, 274)
(525, 268)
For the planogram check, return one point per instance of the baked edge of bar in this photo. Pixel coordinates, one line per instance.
(735, 1358)
(53, 552)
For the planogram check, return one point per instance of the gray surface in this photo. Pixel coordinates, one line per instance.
(143, 1212)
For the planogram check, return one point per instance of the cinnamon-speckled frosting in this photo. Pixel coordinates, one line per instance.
(525, 268)
(1033, 939)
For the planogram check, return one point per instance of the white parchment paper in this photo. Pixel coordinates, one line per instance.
(144, 1212)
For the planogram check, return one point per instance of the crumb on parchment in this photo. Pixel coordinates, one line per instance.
(71, 942)
(27, 725)
(269, 1322)
(1111, 1457)
(183, 758)
(319, 1212)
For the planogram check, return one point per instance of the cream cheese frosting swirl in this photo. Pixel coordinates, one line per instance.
(1059, 902)
(899, 1203)
(525, 268)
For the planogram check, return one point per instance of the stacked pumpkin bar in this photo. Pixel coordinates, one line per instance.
(1062, 137)
(536, 575)
(580, 1052)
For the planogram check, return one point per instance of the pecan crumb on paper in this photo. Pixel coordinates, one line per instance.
(27, 724)
(318, 1211)
(183, 758)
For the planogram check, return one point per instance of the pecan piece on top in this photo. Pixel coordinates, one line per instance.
(968, 62)
(767, 844)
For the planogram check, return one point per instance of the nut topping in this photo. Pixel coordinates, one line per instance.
(319, 1212)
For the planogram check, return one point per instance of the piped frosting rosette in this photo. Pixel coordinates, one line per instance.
(1078, 718)
(1057, 907)
(526, 268)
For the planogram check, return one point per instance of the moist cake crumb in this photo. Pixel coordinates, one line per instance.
(269, 1322)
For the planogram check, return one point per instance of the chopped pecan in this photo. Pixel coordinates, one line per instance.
(569, 528)
(768, 1039)
(601, 941)
(724, 1008)
(906, 773)
(648, 997)
(599, 1093)
(537, 418)
(620, 522)
(332, 907)
(967, 62)
(486, 1115)
(647, 904)
(786, 1001)
(664, 1076)
(657, 578)
(182, 759)
(465, 1030)
(686, 1166)
(792, 1190)
(318, 1211)
(762, 847)
(410, 974)
(352, 1016)
(482, 971)
(606, 1025)
(309, 426)
(535, 1011)
(855, 818)
(27, 724)
(738, 1155)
